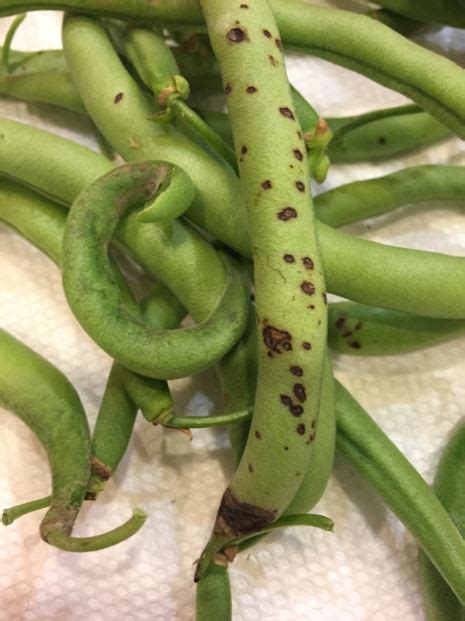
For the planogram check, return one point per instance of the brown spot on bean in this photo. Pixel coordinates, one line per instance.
(250, 468)
(251, 89)
(307, 287)
(340, 321)
(285, 400)
(382, 140)
(306, 345)
(258, 435)
(240, 518)
(308, 262)
(267, 185)
(118, 97)
(289, 258)
(228, 88)
(314, 423)
(311, 306)
(236, 35)
(244, 150)
(244, 6)
(297, 371)
(286, 448)
(296, 410)
(325, 297)
(273, 60)
(298, 154)
(300, 186)
(278, 44)
(277, 340)
(267, 33)
(355, 345)
(347, 334)
(311, 437)
(287, 214)
(358, 325)
(287, 112)
(300, 429)
(300, 392)
(299, 134)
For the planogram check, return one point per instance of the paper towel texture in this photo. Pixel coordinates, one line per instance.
(366, 570)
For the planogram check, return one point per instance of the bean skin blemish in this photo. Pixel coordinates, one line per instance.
(228, 88)
(250, 468)
(267, 185)
(307, 287)
(258, 435)
(118, 97)
(300, 186)
(339, 323)
(355, 345)
(299, 392)
(285, 400)
(251, 89)
(297, 371)
(300, 429)
(278, 44)
(347, 334)
(308, 262)
(358, 325)
(296, 410)
(276, 340)
(273, 60)
(287, 214)
(236, 35)
(267, 33)
(298, 154)
(289, 258)
(287, 112)
(306, 345)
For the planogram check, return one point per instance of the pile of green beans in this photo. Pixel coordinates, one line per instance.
(214, 206)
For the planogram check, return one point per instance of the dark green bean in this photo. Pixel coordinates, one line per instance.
(448, 12)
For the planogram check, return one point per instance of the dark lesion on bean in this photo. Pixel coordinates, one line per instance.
(287, 112)
(325, 297)
(300, 185)
(296, 410)
(298, 154)
(347, 334)
(382, 140)
(307, 287)
(355, 344)
(297, 371)
(250, 467)
(300, 429)
(273, 60)
(236, 35)
(285, 400)
(277, 341)
(101, 469)
(287, 214)
(308, 262)
(278, 44)
(340, 321)
(306, 345)
(228, 88)
(118, 97)
(267, 185)
(289, 258)
(251, 89)
(358, 325)
(267, 33)
(240, 518)
(258, 435)
(244, 6)
(300, 392)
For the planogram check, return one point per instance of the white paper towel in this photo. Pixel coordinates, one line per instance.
(366, 570)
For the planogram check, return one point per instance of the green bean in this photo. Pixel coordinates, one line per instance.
(15, 24)
(213, 601)
(157, 67)
(121, 112)
(44, 399)
(359, 200)
(383, 134)
(255, 87)
(412, 281)
(97, 304)
(367, 331)
(403, 25)
(440, 602)
(448, 12)
(11, 514)
(402, 488)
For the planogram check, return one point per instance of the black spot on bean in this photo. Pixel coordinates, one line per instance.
(286, 448)
(244, 6)
(355, 345)
(325, 298)
(251, 89)
(306, 345)
(287, 214)
(347, 334)
(311, 306)
(236, 35)
(298, 154)
(258, 435)
(297, 371)
(277, 340)
(287, 112)
(340, 321)
(299, 392)
(358, 325)
(296, 410)
(289, 258)
(300, 186)
(382, 140)
(307, 287)
(299, 134)
(228, 88)
(314, 423)
(250, 468)
(267, 185)
(308, 262)
(285, 400)
(278, 44)
(118, 97)
(300, 429)
(244, 150)
(273, 60)
(267, 33)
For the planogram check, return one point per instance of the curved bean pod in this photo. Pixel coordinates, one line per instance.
(440, 602)
(378, 460)
(97, 304)
(367, 331)
(406, 280)
(11, 514)
(122, 113)
(257, 85)
(44, 399)
(383, 134)
(359, 200)
(15, 24)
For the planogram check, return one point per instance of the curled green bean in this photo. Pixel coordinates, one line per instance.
(97, 304)
(15, 24)
(11, 514)
(44, 399)
(440, 602)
